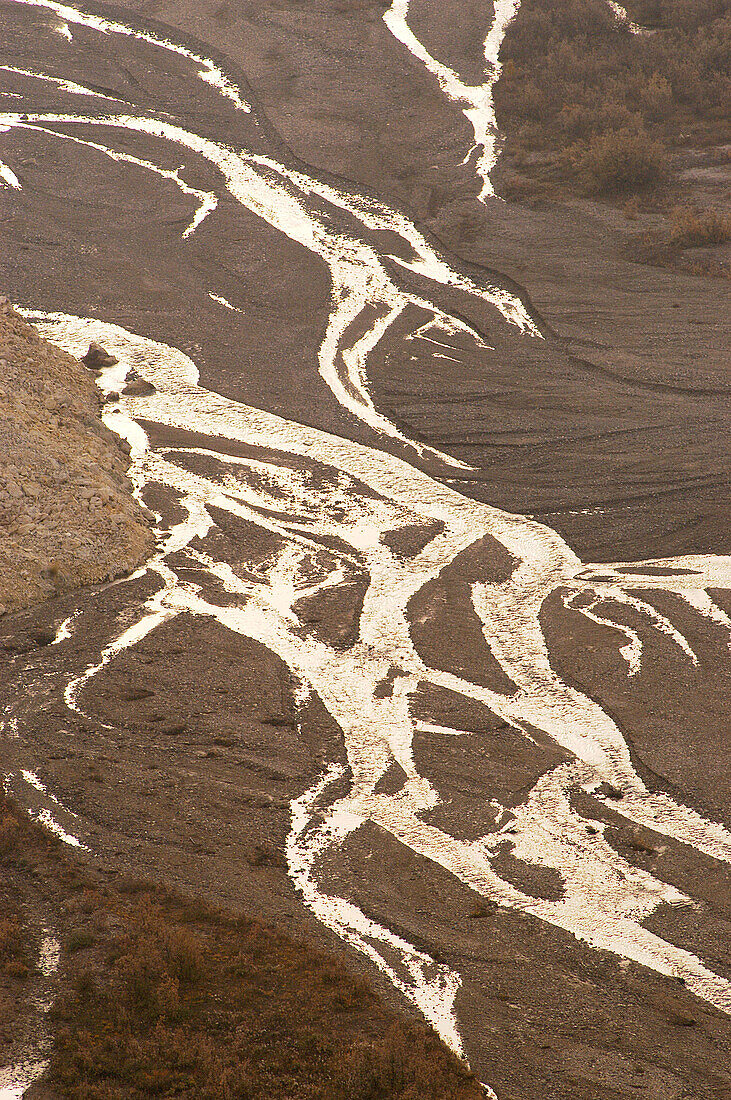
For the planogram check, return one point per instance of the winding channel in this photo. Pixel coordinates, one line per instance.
(314, 491)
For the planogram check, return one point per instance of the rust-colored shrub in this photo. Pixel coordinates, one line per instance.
(691, 228)
(619, 161)
(191, 1003)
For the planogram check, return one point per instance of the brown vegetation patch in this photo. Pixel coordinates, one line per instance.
(166, 996)
(618, 161)
(188, 1001)
(576, 79)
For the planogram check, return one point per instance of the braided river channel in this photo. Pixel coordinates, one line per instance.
(153, 149)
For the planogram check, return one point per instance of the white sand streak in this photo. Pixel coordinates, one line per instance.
(44, 814)
(65, 629)
(283, 198)
(208, 72)
(622, 17)
(632, 651)
(605, 898)
(375, 216)
(475, 101)
(8, 177)
(16, 1079)
(685, 577)
(223, 302)
(69, 86)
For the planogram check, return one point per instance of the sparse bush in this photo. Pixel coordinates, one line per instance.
(618, 161)
(698, 229)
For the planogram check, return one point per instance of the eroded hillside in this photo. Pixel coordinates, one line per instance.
(67, 515)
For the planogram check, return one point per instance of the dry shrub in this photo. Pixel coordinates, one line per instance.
(691, 228)
(619, 161)
(571, 73)
(194, 1004)
(582, 121)
(400, 1065)
(14, 946)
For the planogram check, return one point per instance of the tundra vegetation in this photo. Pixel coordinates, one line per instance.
(590, 108)
(161, 995)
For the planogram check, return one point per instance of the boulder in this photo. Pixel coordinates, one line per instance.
(139, 387)
(97, 358)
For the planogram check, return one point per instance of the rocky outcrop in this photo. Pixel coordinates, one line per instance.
(67, 514)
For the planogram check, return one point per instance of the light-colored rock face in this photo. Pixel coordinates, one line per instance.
(67, 515)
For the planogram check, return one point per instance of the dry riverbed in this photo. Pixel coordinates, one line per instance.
(187, 756)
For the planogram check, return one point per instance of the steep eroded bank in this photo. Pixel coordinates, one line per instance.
(67, 515)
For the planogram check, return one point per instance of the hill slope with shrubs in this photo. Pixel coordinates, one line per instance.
(587, 104)
(159, 994)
